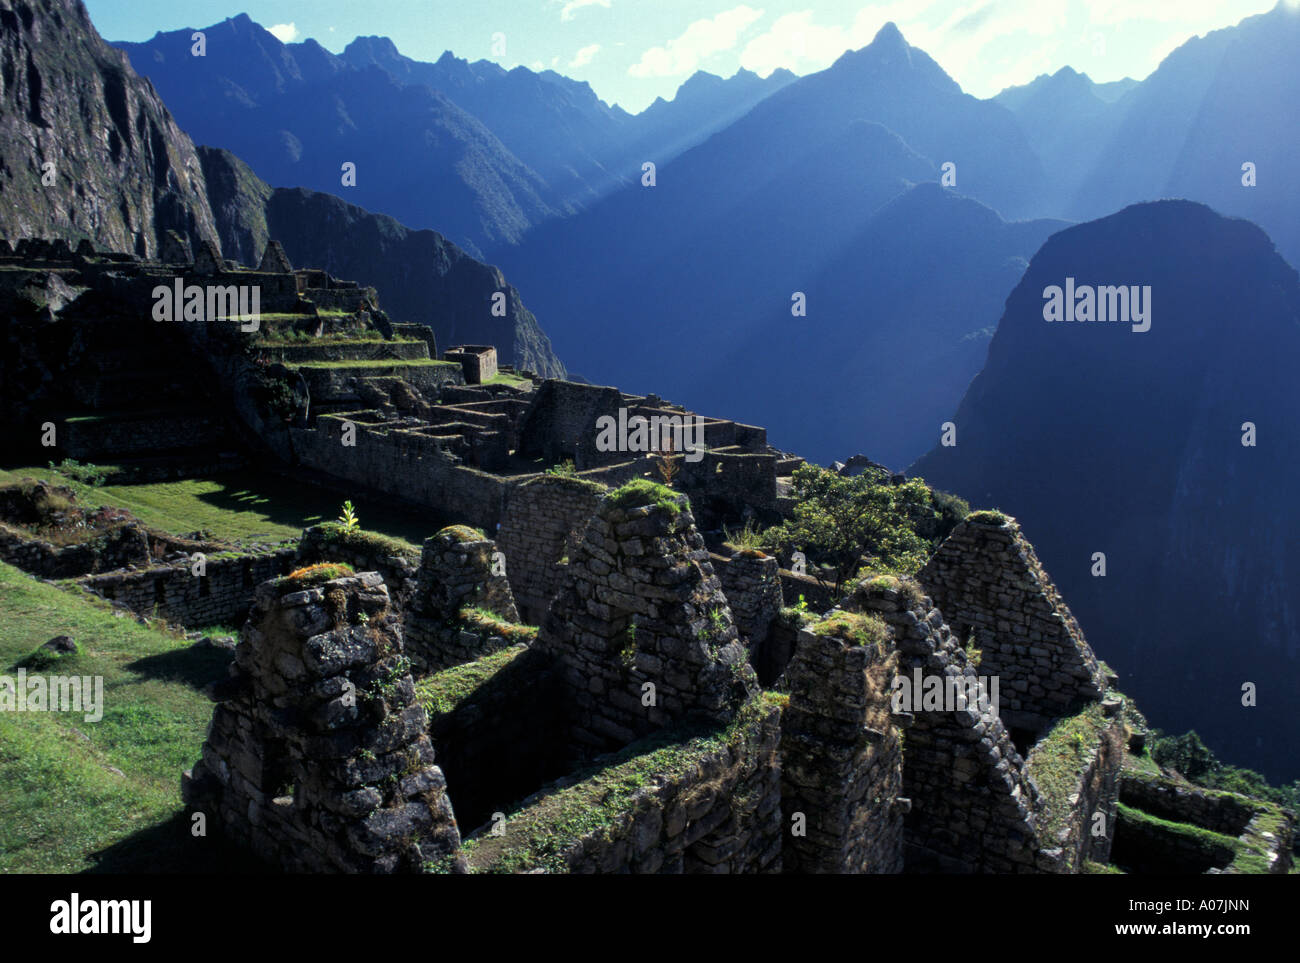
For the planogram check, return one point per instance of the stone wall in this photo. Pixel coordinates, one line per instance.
(478, 362)
(819, 596)
(343, 383)
(723, 483)
(116, 548)
(173, 592)
(752, 584)
(406, 463)
(841, 760)
(708, 803)
(1264, 831)
(318, 757)
(972, 808)
(457, 571)
(129, 434)
(421, 332)
(494, 723)
(561, 423)
(1094, 792)
(544, 521)
(987, 580)
(640, 628)
(364, 552)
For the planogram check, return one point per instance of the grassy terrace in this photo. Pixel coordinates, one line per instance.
(380, 363)
(506, 378)
(82, 795)
(245, 508)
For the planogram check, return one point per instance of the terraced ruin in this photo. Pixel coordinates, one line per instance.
(572, 668)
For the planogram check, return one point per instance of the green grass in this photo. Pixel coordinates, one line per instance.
(360, 540)
(859, 628)
(1057, 762)
(380, 363)
(443, 691)
(506, 378)
(990, 516)
(80, 795)
(602, 797)
(908, 589)
(1100, 869)
(1249, 853)
(485, 620)
(643, 492)
(298, 338)
(313, 575)
(238, 508)
(1212, 844)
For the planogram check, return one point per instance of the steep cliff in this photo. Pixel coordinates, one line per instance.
(87, 148)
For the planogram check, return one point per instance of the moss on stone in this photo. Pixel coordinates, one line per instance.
(463, 533)
(643, 492)
(857, 627)
(988, 516)
(1090, 867)
(366, 542)
(485, 620)
(1210, 844)
(312, 575)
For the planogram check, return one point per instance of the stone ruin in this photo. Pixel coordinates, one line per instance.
(993, 591)
(646, 671)
(640, 618)
(639, 671)
(318, 758)
(274, 260)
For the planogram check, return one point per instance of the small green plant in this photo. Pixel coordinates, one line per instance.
(748, 539)
(627, 653)
(802, 605)
(717, 623)
(565, 469)
(349, 519)
(87, 474)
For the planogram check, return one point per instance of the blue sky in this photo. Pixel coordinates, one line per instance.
(631, 51)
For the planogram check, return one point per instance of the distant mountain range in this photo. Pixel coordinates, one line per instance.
(475, 151)
(1100, 438)
(1185, 131)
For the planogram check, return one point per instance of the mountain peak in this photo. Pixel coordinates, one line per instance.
(889, 36)
(372, 45)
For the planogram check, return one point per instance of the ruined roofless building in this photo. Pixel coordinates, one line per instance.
(639, 653)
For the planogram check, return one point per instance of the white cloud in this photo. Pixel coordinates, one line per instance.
(584, 56)
(702, 39)
(573, 6)
(284, 32)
